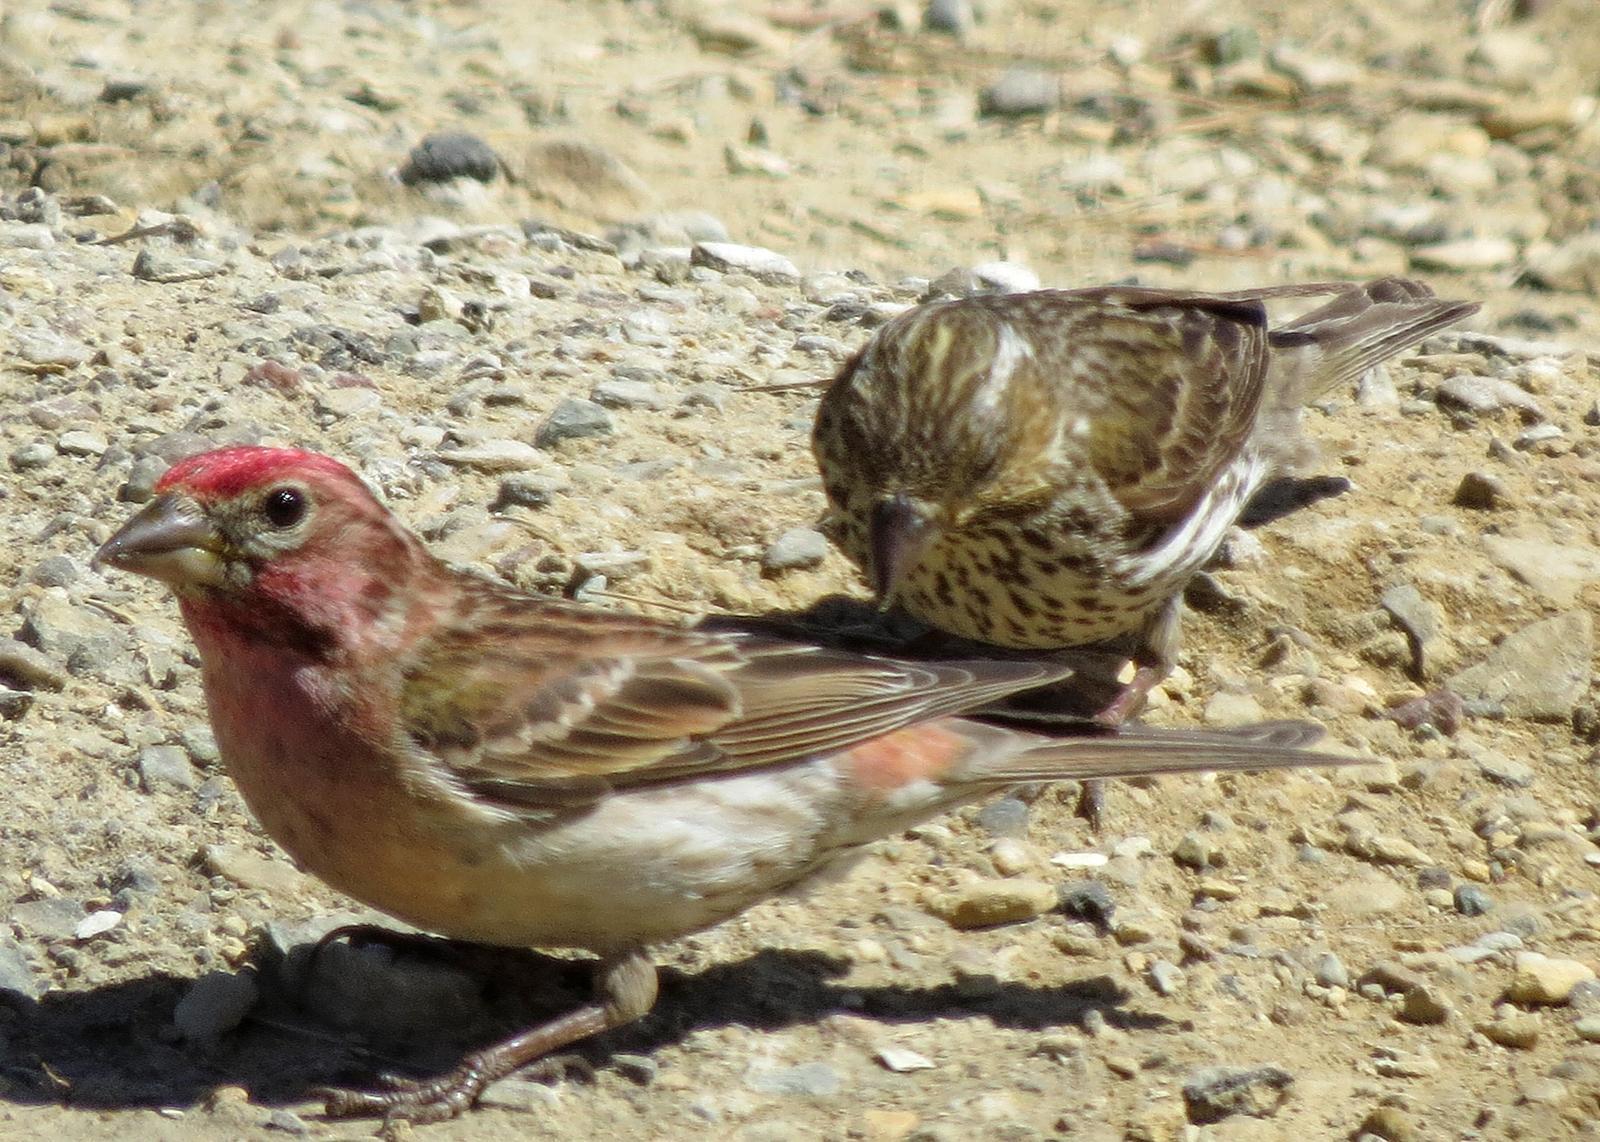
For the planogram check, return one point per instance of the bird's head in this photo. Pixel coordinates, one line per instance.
(252, 532)
(928, 433)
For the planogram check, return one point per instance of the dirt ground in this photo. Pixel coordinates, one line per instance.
(208, 233)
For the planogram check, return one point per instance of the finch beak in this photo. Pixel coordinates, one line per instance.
(899, 533)
(169, 539)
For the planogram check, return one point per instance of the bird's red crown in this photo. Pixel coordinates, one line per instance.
(226, 472)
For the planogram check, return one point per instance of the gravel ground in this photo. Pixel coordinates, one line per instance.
(587, 365)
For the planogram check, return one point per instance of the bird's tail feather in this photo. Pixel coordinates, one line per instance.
(1139, 751)
(1361, 327)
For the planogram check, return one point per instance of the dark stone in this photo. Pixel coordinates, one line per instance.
(448, 155)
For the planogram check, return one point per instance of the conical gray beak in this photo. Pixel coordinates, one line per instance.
(897, 534)
(169, 539)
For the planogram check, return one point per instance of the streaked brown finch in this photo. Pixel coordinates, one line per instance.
(1047, 470)
(499, 767)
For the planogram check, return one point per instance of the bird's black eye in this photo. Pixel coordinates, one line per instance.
(284, 507)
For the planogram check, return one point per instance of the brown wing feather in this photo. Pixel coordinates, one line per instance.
(1191, 371)
(529, 723)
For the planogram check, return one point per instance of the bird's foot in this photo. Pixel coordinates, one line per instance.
(1128, 702)
(421, 1101)
(558, 1068)
(417, 1101)
(626, 987)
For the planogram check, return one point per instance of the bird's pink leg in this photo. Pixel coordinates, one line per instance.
(1152, 662)
(1131, 698)
(625, 990)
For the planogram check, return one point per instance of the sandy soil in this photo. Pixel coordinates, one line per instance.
(150, 985)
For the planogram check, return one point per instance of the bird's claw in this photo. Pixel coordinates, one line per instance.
(1092, 802)
(557, 1068)
(360, 935)
(417, 1101)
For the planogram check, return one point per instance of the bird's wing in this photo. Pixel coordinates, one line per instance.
(1202, 369)
(1158, 389)
(535, 704)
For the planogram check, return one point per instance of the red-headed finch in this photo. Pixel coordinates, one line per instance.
(494, 766)
(1047, 470)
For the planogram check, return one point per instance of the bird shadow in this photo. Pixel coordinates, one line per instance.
(1285, 495)
(114, 1047)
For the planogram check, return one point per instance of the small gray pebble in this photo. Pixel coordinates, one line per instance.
(708, 395)
(28, 236)
(1472, 900)
(731, 258)
(1166, 978)
(1519, 918)
(54, 571)
(447, 155)
(1331, 972)
(818, 345)
(817, 1079)
(619, 393)
(613, 565)
(152, 265)
(14, 703)
(287, 1122)
(528, 490)
(380, 990)
(174, 446)
(1505, 770)
(641, 1069)
(33, 454)
(123, 88)
(1537, 434)
(15, 974)
(1585, 996)
(644, 374)
(1481, 491)
(140, 486)
(574, 419)
(165, 766)
(1020, 91)
(1196, 851)
(951, 17)
(1088, 900)
(53, 918)
(81, 442)
(136, 879)
(1006, 817)
(200, 743)
(1500, 941)
(1424, 1005)
(796, 549)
